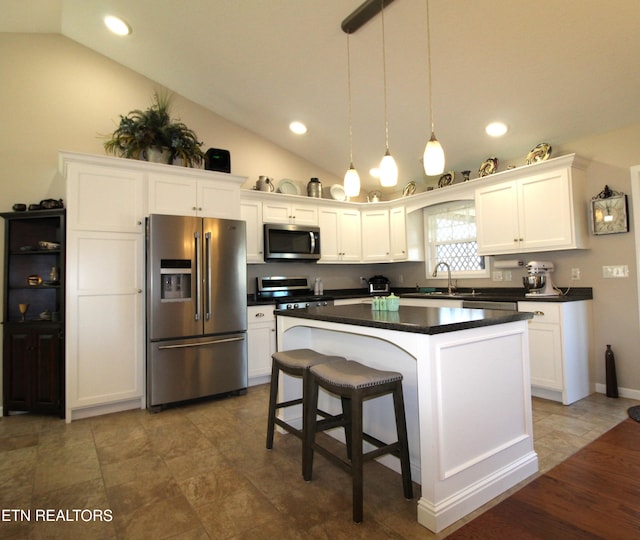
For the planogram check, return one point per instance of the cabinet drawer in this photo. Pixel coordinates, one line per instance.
(257, 314)
(544, 312)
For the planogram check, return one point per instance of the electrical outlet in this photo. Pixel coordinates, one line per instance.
(576, 274)
(618, 271)
(508, 275)
(497, 275)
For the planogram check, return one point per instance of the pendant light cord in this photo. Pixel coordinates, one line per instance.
(384, 81)
(350, 117)
(429, 69)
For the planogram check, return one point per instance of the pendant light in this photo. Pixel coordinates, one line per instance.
(351, 177)
(388, 167)
(433, 158)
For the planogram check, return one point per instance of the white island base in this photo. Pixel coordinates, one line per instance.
(467, 399)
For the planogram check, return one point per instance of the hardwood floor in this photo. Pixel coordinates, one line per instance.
(593, 494)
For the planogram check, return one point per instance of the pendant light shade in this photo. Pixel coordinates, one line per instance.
(388, 167)
(433, 158)
(388, 171)
(351, 182)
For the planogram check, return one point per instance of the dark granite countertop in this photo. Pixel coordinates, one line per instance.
(491, 294)
(419, 320)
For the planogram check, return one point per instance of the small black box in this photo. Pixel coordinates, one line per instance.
(217, 160)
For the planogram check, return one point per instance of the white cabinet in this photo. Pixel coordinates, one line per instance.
(541, 211)
(261, 342)
(251, 213)
(375, 235)
(559, 349)
(211, 195)
(340, 239)
(105, 321)
(101, 197)
(287, 212)
(398, 234)
(104, 345)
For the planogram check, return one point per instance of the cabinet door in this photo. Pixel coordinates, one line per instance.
(276, 212)
(350, 238)
(218, 199)
(304, 214)
(329, 222)
(261, 342)
(105, 316)
(47, 376)
(172, 195)
(398, 233)
(375, 235)
(251, 213)
(17, 369)
(101, 198)
(545, 211)
(545, 345)
(497, 219)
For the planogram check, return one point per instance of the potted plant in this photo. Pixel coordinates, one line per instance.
(152, 135)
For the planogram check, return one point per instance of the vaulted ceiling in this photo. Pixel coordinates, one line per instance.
(552, 70)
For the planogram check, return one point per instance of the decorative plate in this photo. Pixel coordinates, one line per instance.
(337, 192)
(489, 166)
(540, 152)
(288, 187)
(409, 189)
(446, 179)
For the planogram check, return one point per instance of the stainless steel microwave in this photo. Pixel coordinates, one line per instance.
(291, 242)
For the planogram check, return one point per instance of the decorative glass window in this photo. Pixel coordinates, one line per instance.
(451, 237)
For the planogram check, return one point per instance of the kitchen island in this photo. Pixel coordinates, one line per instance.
(466, 387)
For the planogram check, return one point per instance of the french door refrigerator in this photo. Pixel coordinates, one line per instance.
(196, 308)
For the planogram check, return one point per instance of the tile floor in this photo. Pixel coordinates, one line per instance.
(202, 471)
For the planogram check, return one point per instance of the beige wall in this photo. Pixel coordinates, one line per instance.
(57, 95)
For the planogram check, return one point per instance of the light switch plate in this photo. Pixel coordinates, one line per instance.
(618, 271)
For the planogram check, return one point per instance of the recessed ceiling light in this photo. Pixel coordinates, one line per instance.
(298, 128)
(117, 25)
(496, 129)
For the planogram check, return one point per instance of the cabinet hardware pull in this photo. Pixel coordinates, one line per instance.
(139, 291)
(260, 314)
(539, 313)
(193, 208)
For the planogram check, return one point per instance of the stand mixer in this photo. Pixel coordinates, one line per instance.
(538, 281)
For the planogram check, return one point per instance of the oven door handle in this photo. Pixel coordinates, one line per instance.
(313, 242)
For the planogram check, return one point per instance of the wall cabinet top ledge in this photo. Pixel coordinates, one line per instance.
(143, 166)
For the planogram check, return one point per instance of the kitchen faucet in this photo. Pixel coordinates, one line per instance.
(450, 286)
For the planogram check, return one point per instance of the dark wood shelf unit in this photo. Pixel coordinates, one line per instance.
(33, 349)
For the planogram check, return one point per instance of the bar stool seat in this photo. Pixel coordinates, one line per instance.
(294, 362)
(354, 383)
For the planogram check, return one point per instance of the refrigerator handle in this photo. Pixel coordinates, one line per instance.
(196, 237)
(313, 242)
(207, 312)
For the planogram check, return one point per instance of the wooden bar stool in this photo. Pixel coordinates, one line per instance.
(295, 362)
(354, 383)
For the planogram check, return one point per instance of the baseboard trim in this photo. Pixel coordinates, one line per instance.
(622, 392)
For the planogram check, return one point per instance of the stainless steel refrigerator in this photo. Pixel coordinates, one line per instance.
(196, 308)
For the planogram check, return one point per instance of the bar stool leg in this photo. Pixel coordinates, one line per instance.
(356, 456)
(273, 396)
(309, 421)
(346, 414)
(401, 428)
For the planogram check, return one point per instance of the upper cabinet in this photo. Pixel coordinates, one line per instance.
(287, 212)
(215, 195)
(542, 209)
(340, 239)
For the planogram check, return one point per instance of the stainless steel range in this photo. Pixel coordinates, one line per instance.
(290, 292)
